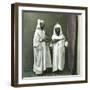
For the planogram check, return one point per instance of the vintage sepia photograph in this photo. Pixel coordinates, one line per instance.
(49, 44)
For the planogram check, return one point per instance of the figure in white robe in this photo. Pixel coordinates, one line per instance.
(59, 44)
(42, 58)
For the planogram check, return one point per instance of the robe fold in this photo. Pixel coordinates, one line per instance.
(42, 58)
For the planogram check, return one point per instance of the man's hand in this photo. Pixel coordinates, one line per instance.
(55, 40)
(43, 40)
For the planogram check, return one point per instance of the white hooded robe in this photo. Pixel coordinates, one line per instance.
(58, 50)
(42, 58)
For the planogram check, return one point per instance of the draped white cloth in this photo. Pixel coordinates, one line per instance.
(42, 59)
(58, 49)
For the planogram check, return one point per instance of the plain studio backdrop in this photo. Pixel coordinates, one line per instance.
(68, 23)
(5, 45)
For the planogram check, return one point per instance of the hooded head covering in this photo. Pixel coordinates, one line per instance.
(38, 23)
(57, 25)
(39, 34)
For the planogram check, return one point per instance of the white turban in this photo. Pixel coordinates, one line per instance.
(38, 23)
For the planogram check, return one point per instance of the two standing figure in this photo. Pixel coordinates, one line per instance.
(42, 57)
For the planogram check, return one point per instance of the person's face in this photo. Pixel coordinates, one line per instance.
(57, 31)
(42, 25)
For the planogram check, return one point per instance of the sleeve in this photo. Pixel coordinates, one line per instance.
(66, 43)
(36, 40)
(57, 37)
(53, 37)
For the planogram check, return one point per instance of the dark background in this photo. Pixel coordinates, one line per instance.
(68, 23)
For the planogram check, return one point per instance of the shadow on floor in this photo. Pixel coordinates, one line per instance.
(48, 72)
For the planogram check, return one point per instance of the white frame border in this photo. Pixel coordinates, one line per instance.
(81, 46)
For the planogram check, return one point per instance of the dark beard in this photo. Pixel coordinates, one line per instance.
(58, 33)
(42, 28)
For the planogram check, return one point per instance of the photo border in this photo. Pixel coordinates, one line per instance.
(14, 43)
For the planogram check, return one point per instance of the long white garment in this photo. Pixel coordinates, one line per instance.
(58, 50)
(42, 59)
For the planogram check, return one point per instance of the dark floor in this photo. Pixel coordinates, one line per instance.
(48, 72)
